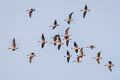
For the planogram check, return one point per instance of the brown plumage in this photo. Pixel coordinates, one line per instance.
(75, 47)
(91, 46)
(85, 10)
(43, 41)
(66, 36)
(69, 18)
(109, 65)
(98, 57)
(13, 47)
(59, 43)
(68, 56)
(30, 12)
(31, 56)
(54, 25)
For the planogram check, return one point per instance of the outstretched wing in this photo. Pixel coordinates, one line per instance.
(59, 47)
(43, 38)
(76, 50)
(98, 54)
(85, 7)
(109, 67)
(84, 14)
(70, 15)
(67, 42)
(68, 53)
(68, 59)
(30, 14)
(30, 59)
(55, 22)
(13, 43)
(66, 31)
(75, 44)
(98, 61)
(42, 45)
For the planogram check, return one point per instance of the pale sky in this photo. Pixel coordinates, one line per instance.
(101, 27)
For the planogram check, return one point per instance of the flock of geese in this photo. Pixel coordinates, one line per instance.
(57, 41)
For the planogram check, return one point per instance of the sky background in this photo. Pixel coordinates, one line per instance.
(101, 27)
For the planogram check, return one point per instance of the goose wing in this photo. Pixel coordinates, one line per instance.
(66, 31)
(55, 22)
(43, 38)
(70, 15)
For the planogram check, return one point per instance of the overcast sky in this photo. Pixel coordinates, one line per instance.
(101, 27)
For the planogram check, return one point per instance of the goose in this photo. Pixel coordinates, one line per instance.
(31, 56)
(68, 56)
(13, 47)
(98, 57)
(66, 36)
(54, 40)
(31, 11)
(67, 40)
(75, 47)
(54, 25)
(85, 10)
(109, 65)
(59, 43)
(81, 53)
(66, 33)
(43, 41)
(91, 46)
(77, 60)
(69, 18)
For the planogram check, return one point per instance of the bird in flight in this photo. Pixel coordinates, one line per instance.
(31, 11)
(81, 53)
(91, 46)
(75, 47)
(54, 25)
(66, 36)
(98, 57)
(85, 10)
(68, 56)
(42, 41)
(109, 65)
(59, 43)
(69, 19)
(31, 56)
(54, 40)
(13, 47)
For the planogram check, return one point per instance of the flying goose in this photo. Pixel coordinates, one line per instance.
(109, 65)
(91, 46)
(68, 56)
(43, 41)
(13, 47)
(59, 43)
(69, 18)
(75, 47)
(54, 40)
(31, 56)
(54, 25)
(98, 57)
(66, 36)
(31, 11)
(85, 10)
